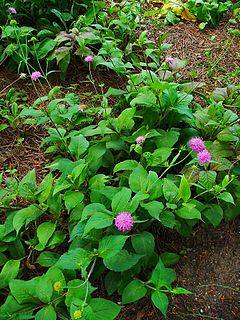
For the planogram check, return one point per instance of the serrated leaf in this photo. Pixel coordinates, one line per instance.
(78, 146)
(72, 199)
(120, 200)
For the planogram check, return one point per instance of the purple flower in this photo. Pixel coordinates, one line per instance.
(169, 60)
(36, 75)
(197, 144)
(12, 10)
(124, 221)
(140, 140)
(204, 156)
(89, 59)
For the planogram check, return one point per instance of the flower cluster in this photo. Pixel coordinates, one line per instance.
(197, 145)
(89, 59)
(140, 140)
(36, 75)
(12, 10)
(124, 221)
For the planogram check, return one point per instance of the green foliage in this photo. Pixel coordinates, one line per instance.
(98, 169)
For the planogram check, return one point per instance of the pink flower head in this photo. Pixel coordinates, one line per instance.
(36, 75)
(204, 156)
(169, 60)
(12, 10)
(89, 59)
(140, 140)
(197, 144)
(124, 221)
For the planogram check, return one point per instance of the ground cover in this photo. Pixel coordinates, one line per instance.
(99, 152)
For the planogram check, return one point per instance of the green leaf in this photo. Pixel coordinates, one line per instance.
(159, 156)
(161, 276)
(104, 309)
(120, 200)
(78, 289)
(160, 300)
(170, 190)
(74, 259)
(188, 212)
(138, 179)
(72, 199)
(27, 186)
(169, 259)
(46, 313)
(143, 243)
(227, 197)
(44, 232)
(109, 246)
(122, 261)
(98, 221)
(184, 189)
(213, 213)
(9, 272)
(207, 178)
(125, 120)
(47, 258)
(45, 188)
(134, 291)
(78, 146)
(25, 216)
(93, 208)
(126, 165)
(44, 289)
(167, 218)
(3, 259)
(154, 208)
(179, 290)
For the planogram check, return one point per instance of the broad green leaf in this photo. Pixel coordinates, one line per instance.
(25, 291)
(138, 179)
(122, 261)
(184, 189)
(27, 186)
(44, 232)
(9, 272)
(167, 218)
(188, 212)
(213, 213)
(170, 190)
(161, 276)
(207, 178)
(134, 291)
(112, 282)
(92, 209)
(167, 139)
(109, 246)
(47, 258)
(3, 259)
(74, 259)
(125, 165)
(44, 289)
(46, 313)
(154, 208)
(159, 156)
(120, 200)
(143, 243)
(227, 197)
(25, 216)
(78, 146)
(104, 309)
(44, 189)
(125, 120)
(169, 259)
(160, 300)
(98, 221)
(72, 199)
